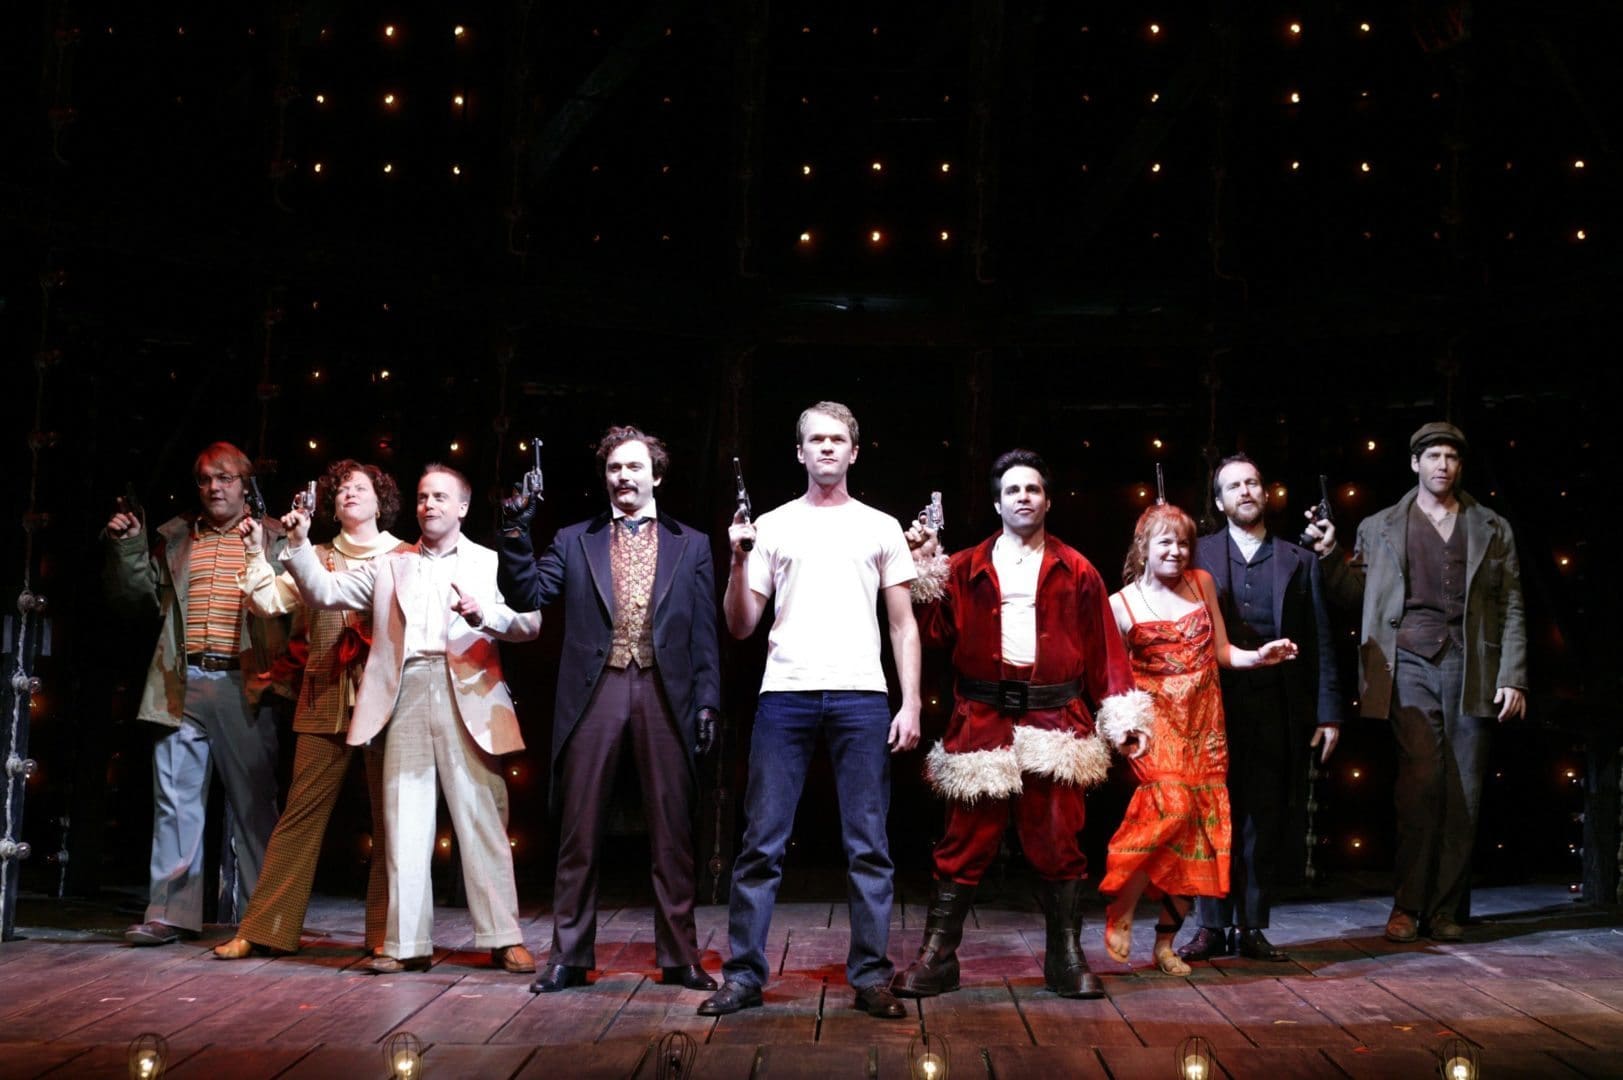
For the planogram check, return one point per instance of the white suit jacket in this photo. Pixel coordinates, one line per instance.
(388, 584)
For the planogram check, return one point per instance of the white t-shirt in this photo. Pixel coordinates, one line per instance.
(1017, 581)
(826, 565)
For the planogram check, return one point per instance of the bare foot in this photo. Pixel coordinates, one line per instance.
(1168, 961)
(1118, 933)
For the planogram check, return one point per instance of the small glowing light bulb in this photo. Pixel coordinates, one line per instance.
(388, 99)
(1296, 97)
(1363, 166)
(321, 99)
(1363, 28)
(805, 238)
(458, 31)
(456, 170)
(1155, 168)
(945, 236)
(459, 101)
(1296, 29)
(946, 166)
(316, 167)
(1155, 28)
(805, 170)
(388, 31)
(876, 236)
(878, 166)
(388, 167)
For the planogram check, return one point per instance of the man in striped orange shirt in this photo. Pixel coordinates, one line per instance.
(205, 689)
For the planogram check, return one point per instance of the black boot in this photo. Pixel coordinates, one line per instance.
(1065, 969)
(936, 969)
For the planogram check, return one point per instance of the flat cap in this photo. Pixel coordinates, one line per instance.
(1435, 432)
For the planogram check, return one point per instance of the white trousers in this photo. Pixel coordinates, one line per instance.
(428, 749)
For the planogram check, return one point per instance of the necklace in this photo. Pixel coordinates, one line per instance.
(1020, 559)
(1142, 595)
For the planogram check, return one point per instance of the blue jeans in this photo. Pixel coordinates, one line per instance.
(856, 724)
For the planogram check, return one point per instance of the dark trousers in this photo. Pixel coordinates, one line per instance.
(1259, 782)
(1442, 759)
(628, 705)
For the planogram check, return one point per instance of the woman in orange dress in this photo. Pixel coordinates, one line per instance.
(1173, 843)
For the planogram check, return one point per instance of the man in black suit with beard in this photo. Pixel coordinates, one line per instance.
(1268, 588)
(639, 665)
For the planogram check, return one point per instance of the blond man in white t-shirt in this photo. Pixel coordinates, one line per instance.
(826, 559)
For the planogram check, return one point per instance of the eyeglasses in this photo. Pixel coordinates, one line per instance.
(223, 479)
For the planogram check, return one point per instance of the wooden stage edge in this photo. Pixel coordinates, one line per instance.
(1536, 989)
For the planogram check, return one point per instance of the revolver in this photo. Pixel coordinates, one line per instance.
(1322, 511)
(742, 497)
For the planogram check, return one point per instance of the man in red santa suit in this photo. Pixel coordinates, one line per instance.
(1044, 689)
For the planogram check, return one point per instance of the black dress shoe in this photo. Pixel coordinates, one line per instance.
(732, 997)
(691, 976)
(1254, 945)
(1206, 944)
(556, 977)
(879, 1001)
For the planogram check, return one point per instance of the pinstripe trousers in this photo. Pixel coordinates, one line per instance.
(276, 913)
(428, 748)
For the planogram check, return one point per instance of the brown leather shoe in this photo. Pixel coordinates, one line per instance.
(390, 965)
(1443, 928)
(1402, 927)
(879, 1002)
(514, 959)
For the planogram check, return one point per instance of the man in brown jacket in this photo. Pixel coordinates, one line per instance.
(1443, 655)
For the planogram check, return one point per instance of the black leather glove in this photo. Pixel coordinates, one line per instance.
(518, 510)
(704, 732)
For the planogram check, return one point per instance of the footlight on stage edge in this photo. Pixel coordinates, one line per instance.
(1457, 1061)
(403, 1052)
(1194, 1059)
(929, 1057)
(149, 1055)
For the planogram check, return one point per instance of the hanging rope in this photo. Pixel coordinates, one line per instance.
(30, 623)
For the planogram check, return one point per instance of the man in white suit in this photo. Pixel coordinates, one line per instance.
(434, 678)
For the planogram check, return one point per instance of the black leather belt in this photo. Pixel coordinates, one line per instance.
(209, 661)
(1017, 696)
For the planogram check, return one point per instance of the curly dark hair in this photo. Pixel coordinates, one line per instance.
(383, 485)
(1156, 518)
(612, 439)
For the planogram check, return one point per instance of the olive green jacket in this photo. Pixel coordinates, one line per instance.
(1495, 626)
(143, 582)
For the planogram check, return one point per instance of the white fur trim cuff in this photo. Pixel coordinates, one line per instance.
(1060, 755)
(931, 583)
(993, 774)
(1120, 714)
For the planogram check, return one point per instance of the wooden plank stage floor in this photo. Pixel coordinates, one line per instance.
(1538, 988)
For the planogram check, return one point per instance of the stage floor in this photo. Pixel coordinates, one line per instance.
(1538, 987)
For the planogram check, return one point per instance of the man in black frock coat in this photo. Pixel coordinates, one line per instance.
(639, 665)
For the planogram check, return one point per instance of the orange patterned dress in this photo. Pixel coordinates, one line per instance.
(1176, 828)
